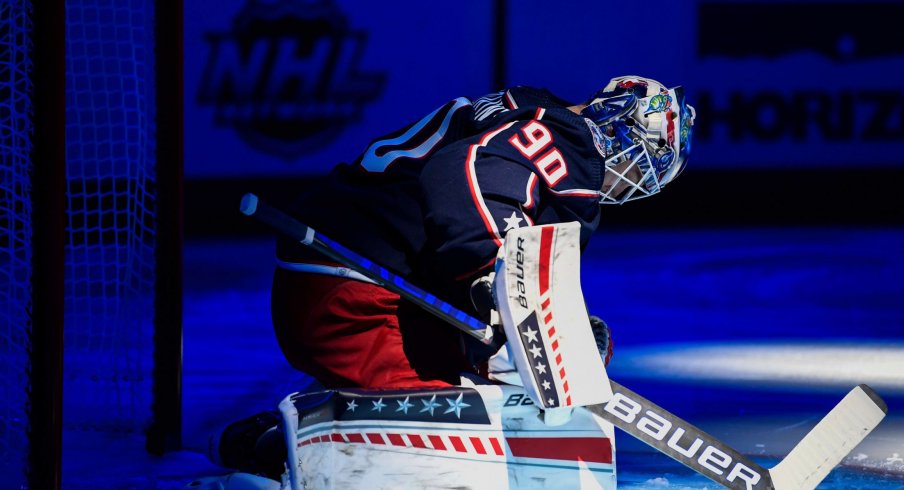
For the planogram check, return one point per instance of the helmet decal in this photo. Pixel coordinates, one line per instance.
(660, 102)
(630, 84)
(687, 119)
(599, 140)
(605, 108)
(664, 161)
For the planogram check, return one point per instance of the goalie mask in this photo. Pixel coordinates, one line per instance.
(645, 131)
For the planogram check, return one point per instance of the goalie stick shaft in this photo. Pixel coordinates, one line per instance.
(813, 458)
(289, 226)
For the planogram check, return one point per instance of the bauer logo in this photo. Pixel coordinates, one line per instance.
(687, 445)
(287, 75)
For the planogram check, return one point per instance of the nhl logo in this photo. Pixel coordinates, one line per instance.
(286, 77)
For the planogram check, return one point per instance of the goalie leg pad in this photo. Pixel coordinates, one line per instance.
(484, 437)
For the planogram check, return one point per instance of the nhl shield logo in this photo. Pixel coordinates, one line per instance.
(286, 76)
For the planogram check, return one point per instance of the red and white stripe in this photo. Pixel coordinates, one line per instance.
(547, 237)
(480, 445)
(577, 193)
(474, 186)
(529, 190)
(510, 100)
(586, 449)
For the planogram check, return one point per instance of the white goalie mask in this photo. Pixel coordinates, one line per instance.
(644, 136)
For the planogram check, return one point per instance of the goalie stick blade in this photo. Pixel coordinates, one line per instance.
(836, 435)
(814, 457)
(681, 441)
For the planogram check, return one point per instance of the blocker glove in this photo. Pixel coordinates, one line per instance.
(603, 337)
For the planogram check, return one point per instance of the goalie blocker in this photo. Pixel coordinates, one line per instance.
(550, 343)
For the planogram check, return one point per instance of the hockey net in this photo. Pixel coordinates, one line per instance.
(111, 219)
(111, 232)
(15, 238)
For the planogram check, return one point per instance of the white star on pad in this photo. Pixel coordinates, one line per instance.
(541, 367)
(456, 406)
(351, 406)
(531, 334)
(378, 406)
(430, 405)
(546, 385)
(512, 222)
(535, 351)
(404, 405)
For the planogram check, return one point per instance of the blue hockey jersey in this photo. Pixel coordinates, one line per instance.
(433, 201)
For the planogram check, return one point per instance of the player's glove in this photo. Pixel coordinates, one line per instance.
(603, 337)
(484, 302)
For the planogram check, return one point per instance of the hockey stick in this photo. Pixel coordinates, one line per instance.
(252, 206)
(803, 468)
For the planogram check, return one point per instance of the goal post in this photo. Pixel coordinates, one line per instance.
(48, 199)
(165, 431)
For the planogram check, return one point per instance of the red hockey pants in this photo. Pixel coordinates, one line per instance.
(347, 333)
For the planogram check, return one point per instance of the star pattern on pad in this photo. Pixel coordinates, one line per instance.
(378, 406)
(456, 406)
(446, 405)
(430, 405)
(531, 335)
(404, 405)
(538, 359)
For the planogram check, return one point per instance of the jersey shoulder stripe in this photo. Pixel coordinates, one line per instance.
(408, 145)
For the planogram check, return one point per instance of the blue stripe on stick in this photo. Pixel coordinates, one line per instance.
(407, 287)
(401, 283)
